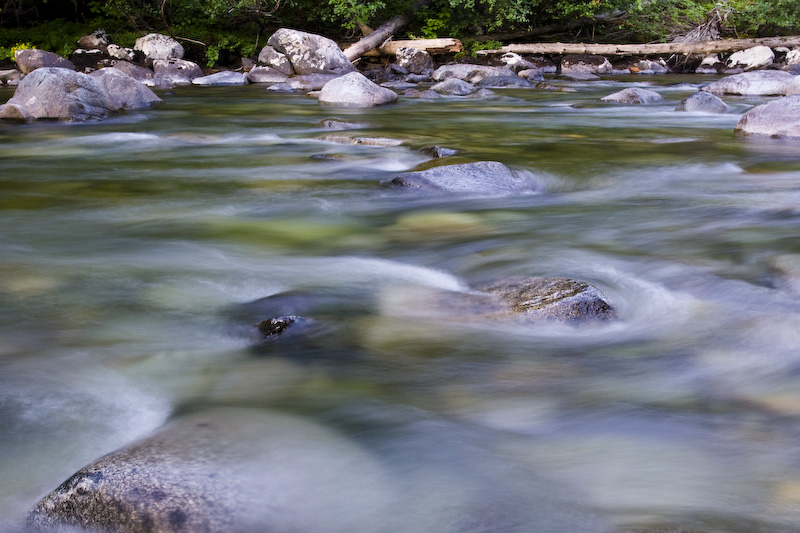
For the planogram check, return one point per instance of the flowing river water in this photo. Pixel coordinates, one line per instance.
(128, 244)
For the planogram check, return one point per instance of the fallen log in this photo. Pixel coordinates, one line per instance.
(375, 38)
(698, 48)
(446, 45)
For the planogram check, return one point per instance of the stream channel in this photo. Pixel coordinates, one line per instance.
(129, 245)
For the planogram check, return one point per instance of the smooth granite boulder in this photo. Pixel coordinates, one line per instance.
(221, 79)
(778, 118)
(758, 83)
(125, 91)
(633, 95)
(32, 59)
(470, 73)
(156, 46)
(703, 102)
(355, 90)
(309, 53)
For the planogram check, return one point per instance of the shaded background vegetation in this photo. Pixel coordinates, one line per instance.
(221, 29)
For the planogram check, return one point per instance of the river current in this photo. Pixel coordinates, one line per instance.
(127, 243)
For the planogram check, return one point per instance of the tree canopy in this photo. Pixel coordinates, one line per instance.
(238, 27)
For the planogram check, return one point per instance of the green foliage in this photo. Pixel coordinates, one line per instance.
(471, 47)
(10, 52)
(751, 17)
(662, 20)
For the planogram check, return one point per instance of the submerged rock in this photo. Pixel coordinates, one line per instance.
(779, 118)
(703, 102)
(231, 470)
(454, 86)
(355, 90)
(489, 177)
(561, 299)
(633, 95)
(219, 79)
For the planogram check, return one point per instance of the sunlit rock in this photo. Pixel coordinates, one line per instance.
(778, 118)
(117, 52)
(414, 60)
(633, 95)
(758, 83)
(32, 59)
(233, 470)
(156, 46)
(355, 90)
(702, 102)
(124, 91)
(490, 177)
(309, 53)
(752, 58)
(269, 57)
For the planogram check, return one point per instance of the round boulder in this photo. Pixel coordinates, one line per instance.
(355, 90)
(758, 83)
(98, 39)
(752, 58)
(269, 57)
(309, 53)
(454, 86)
(779, 118)
(124, 91)
(62, 94)
(633, 95)
(31, 59)
(489, 177)
(504, 81)
(703, 102)
(236, 470)
(156, 46)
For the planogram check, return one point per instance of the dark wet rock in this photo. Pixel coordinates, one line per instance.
(336, 124)
(560, 299)
(355, 90)
(592, 64)
(232, 470)
(274, 327)
(427, 94)
(778, 118)
(454, 86)
(124, 91)
(438, 151)
(87, 60)
(504, 81)
(177, 71)
(30, 60)
(309, 53)
(469, 73)
(62, 94)
(414, 60)
(703, 102)
(418, 78)
(269, 57)
(489, 177)
(157, 46)
(634, 95)
(221, 79)
(262, 74)
(758, 83)
(135, 71)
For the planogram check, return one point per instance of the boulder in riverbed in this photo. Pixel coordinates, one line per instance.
(156, 46)
(504, 81)
(470, 73)
(176, 71)
(32, 59)
(355, 90)
(62, 94)
(136, 72)
(269, 57)
(778, 118)
(758, 83)
(633, 95)
(262, 74)
(309, 53)
(703, 102)
(219, 79)
(591, 64)
(124, 91)
(489, 177)
(753, 58)
(414, 60)
(454, 86)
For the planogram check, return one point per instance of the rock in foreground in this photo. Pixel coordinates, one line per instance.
(488, 177)
(226, 470)
(355, 90)
(779, 118)
(559, 299)
(758, 83)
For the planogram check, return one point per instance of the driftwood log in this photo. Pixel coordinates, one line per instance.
(700, 48)
(446, 45)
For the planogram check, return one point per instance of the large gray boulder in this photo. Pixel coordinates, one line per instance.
(219, 79)
(556, 299)
(62, 94)
(758, 83)
(779, 118)
(702, 102)
(489, 177)
(355, 90)
(753, 58)
(633, 95)
(231, 470)
(414, 60)
(309, 53)
(269, 57)
(124, 91)
(156, 46)
(470, 73)
(176, 71)
(135, 71)
(31, 59)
